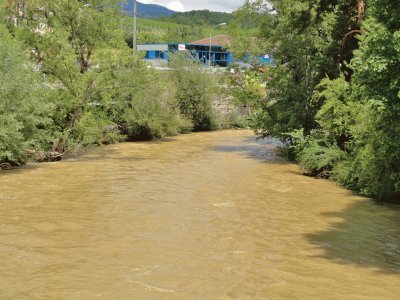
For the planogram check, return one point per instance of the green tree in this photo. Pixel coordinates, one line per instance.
(80, 48)
(307, 38)
(24, 113)
(334, 94)
(375, 84)
(250, 27)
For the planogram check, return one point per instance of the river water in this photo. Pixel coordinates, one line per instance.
(200, 216)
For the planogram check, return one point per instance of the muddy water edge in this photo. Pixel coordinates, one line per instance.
(202, 216)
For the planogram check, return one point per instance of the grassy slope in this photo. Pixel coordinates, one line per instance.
(155, 31)
(198, 17)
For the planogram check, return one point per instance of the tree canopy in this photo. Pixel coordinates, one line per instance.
(333, 95)
(70, 80)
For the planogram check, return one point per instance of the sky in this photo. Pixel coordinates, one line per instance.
(186, 5)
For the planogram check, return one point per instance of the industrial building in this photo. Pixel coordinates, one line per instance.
(211, 51)
(218, 56)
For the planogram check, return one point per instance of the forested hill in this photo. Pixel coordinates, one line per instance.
(198, 17)
(147, 10)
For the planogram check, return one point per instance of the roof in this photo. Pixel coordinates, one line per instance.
(217, 40)
(166, 47)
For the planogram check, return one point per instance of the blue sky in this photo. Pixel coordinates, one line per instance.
(185, 5)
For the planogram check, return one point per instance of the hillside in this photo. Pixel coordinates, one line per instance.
(198, 17)
(155, 31)
(147, 10)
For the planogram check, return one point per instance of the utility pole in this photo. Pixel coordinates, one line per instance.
(122, 16)
(134, 36)
(19, 12)
(361, 10)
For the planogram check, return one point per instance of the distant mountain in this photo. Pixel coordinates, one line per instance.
(148, 11)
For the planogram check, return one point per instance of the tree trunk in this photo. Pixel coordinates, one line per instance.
(361, 10)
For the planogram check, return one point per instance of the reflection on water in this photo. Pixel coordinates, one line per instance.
(202, 216)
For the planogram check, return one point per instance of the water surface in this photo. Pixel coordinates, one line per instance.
(201, 216)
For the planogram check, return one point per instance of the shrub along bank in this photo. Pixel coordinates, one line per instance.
(333, 95)
(69, 80)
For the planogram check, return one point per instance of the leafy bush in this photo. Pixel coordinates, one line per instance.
(79, 90)
(146, 110)
(94, 128)
(23, 111)
(314, 152)
(195, 88)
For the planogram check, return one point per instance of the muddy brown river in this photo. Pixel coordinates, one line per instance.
(200, 216)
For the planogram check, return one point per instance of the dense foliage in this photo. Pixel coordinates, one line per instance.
(155, 32)
(196, 88)
(249, 29)
(24, 111)
(333, 96)
(63, 87)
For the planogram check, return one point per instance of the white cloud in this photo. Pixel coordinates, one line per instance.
(175, 5)
(226, 5)
(186, 5)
